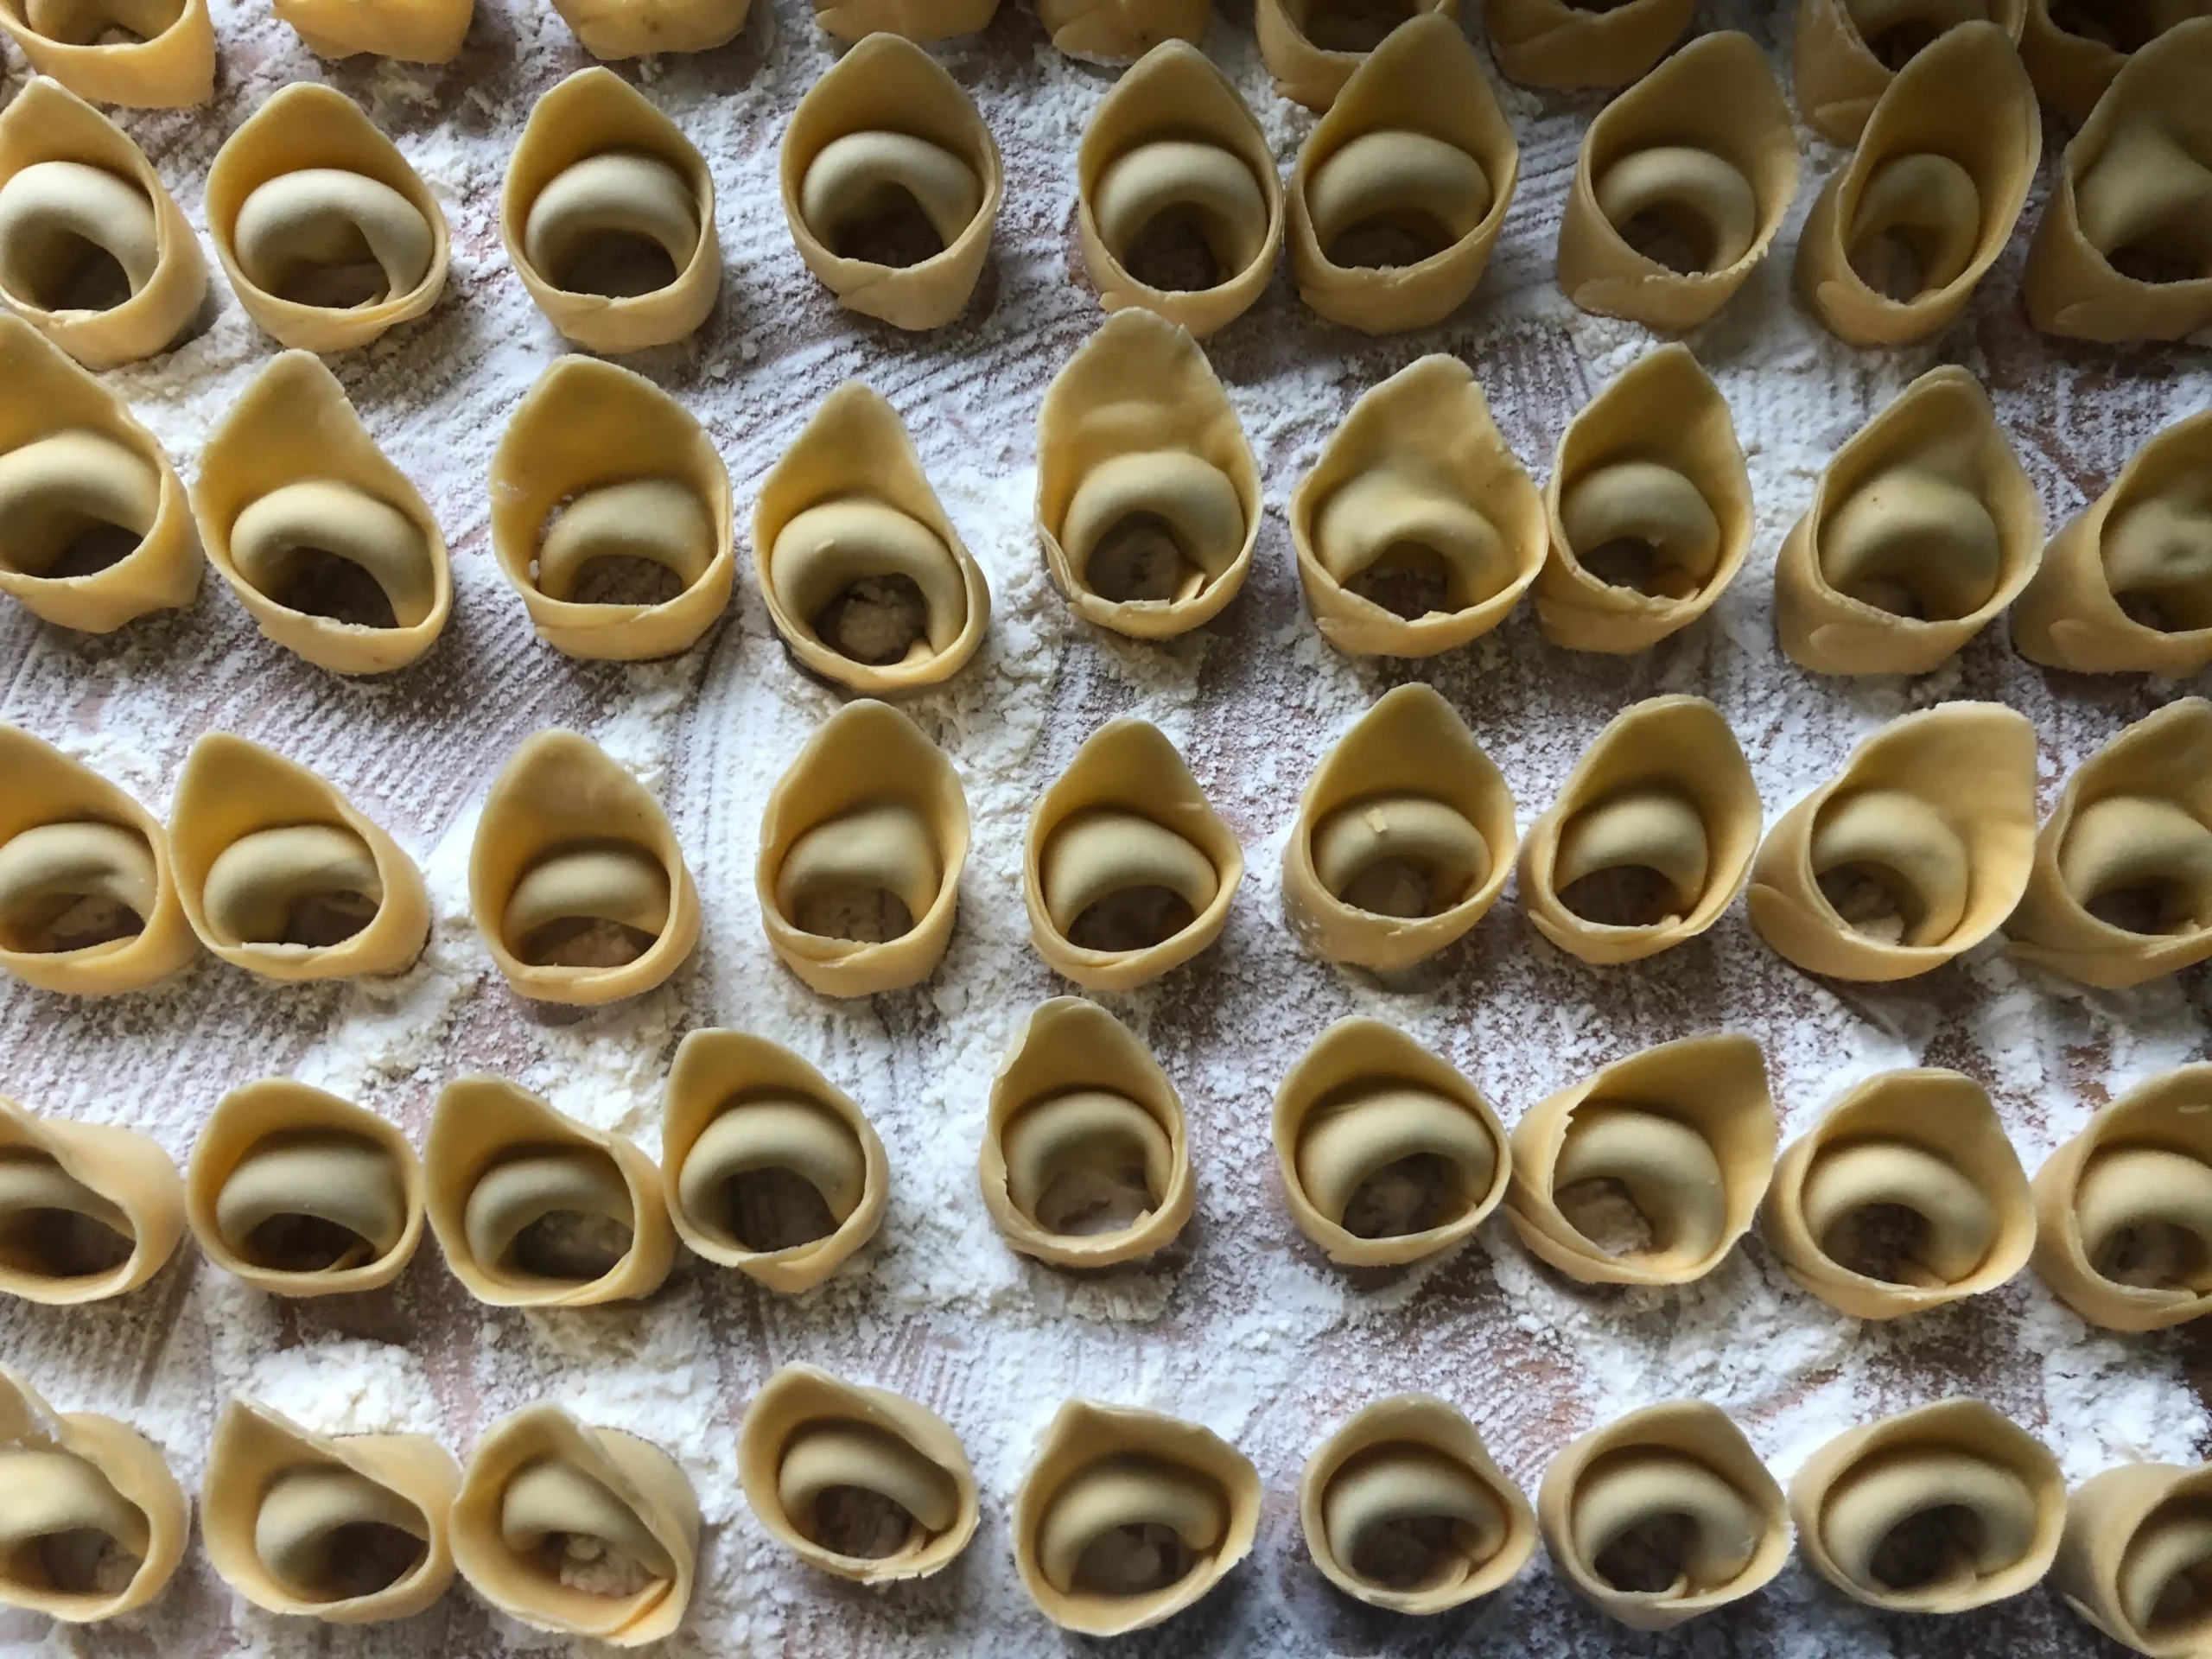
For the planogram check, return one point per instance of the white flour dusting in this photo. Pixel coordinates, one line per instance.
(1242, 1325)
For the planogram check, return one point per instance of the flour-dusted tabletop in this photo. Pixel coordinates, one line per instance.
(1241, 1325)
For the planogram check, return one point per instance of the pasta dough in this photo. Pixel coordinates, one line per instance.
(2124, 1208)
(299, 1193)
(1313, 48)
(329, 238)
(1916, 851)
(87, 1211)
(1401, 189)
(608, 215)
(576, 880)
(165, 61)
(413, 31)
(94, 251)
(1846, 52)
(1113, 31)
(1905, 1195)
(860, 1482)
(280, 875)
(1147, 496)
(534, 1209)
(1175, 178)
(1662, 1515)
(1128, 1516)
(88, 901)
(1681, 186)
(1648, 1173)
(577, 1529)
(864, 577)
(638, 28)
(349, 1529)
(915, 20)
(600, 480)
(1403, 1508)
(82, 1498)
(1564, 47)
(2124, 249)
(2120, 890)
(1386, 1154)
(2136, 1547)
(1650, 506)
(1937, 1510)
(1126, 871)
(94, 528)
(2127, 585)
(1898, 237)
(321, 537)
(1650, 839)
(884, 143)
(1086, 1162)
(1403, 839)
(771, 1168)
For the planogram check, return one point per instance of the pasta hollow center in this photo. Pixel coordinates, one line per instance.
(1432, 191)
(51, 1494)
(1404, 856)
(308, 1531)
(837, 556)
(342, 1180)
(311, 225)
(591, 205)
(821, 1457)
(546, 1499)
(1101, 852)
(1668, 1170)
(1959, 1223)
(1384, 520)
(1649, 828)
(2145, 1214)
(1917, 226)
(61, 494)
(2170, 1551)
(299, 884)
(1342, 1148)
(52, 870)
(1210, 188)
(521, 1191)
(2140, 863)
(1097, 1535)
(1383, 1489)
(276, 540)
(2158, 562)
(1083, 1131)
(1155, 524)
(661, 520)
(2147, 194)
(615, 883)
(1983, 1520)
(1625, 1498)
(33, 1188)
(57, 217)
(1913, 543)
(864, 177)
(1643, 526)
(810, 1142)
(882, 849)
(1688, 208)
(1892, 867)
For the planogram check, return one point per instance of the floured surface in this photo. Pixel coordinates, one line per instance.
(1242, 1325)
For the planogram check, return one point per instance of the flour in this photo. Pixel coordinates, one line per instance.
(1240, 1324)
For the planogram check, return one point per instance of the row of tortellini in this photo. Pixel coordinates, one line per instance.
(1126, 1517)
(1904, 1196)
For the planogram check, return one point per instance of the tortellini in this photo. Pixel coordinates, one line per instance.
(348, 1528)
(1179, 207)
(87, 1211)
(2124, 1208)
(413, 31)
(891, 185)
(95, 530)
(2124, 250)
(88, 899)
(1403, 1508)
(299, 1193)
(608, 212)
(577, 1530)
(328, 235)
(1401, 191)
(1418, 530)
(1899, 236)
(857, 1481)
(769, 1167)
(1846, 52)
(1404, 836)
(640, 29)
(1905, 1195)
(1922, 529)
(861, 846)
(610, 515)
(146, 54)
(282, 876)
(865, 578)
(2127, 585)
(2121, 891)
(2074, 52)
(1128, 1516)
(1650, 838)
(534, 1209)
(1386, 1154)
(1937, 1510)
(1313, 48)
(1086, 1161)
(1147, 496)
(1648, 1173)
(576, 880)
(1113, 31)
(1127, 870)
(1662, 1515)
(1681, 184)
(326, 545)
(1650, 505)
(93, 1524)
(1566, 46)
(94, 251)
(1916, 851)
(2136, 1548)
